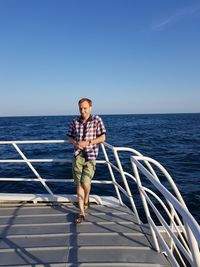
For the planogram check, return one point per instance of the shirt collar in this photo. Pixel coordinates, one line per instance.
(81, 120)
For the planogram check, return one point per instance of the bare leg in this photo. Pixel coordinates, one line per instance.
(81, 198)
(86, 187)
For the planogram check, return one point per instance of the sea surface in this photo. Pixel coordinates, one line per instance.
(171, 139)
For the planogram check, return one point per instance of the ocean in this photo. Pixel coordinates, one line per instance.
(171, 139)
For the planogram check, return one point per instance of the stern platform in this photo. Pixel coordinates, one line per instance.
(45, 235)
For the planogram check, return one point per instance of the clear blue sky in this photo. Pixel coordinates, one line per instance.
(128, 56)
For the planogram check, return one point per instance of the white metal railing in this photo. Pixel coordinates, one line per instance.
(43, 181)
(182, 230)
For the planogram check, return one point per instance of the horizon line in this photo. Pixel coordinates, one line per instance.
(106, 114)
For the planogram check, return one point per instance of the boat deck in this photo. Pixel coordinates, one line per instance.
(45, 235)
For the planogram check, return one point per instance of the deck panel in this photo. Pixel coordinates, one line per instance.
(46, 235)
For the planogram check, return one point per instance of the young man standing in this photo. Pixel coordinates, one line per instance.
(85, 133)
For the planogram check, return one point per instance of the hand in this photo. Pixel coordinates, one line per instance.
(81, 144)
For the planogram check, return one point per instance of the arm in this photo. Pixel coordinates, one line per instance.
(71, 140)
(83, 144)
(98, 140)
(78, 144)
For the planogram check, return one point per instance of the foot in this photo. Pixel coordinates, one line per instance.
(79, 219)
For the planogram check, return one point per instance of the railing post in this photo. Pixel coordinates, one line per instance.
(126, 185)
(111, 174)
(139, 184)
(193, 246)
(33, 169)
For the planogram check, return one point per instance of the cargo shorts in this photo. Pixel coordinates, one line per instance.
(83, 170)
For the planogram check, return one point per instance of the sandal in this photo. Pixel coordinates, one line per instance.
(79, 219)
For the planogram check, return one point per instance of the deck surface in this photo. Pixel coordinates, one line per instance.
(45, 235)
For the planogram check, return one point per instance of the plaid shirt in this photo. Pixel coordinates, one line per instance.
(86, 131)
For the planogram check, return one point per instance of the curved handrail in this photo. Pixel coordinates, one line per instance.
(134, 152)
(167, 212)
(192, 227)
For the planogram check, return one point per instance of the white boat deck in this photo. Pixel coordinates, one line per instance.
(35, 232)
(45, 235)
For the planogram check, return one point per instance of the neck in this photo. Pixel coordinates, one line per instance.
(85, 119)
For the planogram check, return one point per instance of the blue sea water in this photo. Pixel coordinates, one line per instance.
(171, 139)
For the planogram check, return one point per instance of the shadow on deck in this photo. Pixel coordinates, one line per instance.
(45, 235)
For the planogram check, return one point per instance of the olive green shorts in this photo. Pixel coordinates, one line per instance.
(83, 170)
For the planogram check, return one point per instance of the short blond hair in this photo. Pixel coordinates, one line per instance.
(85, 99)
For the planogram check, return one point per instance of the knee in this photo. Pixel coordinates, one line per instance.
(86, 186)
